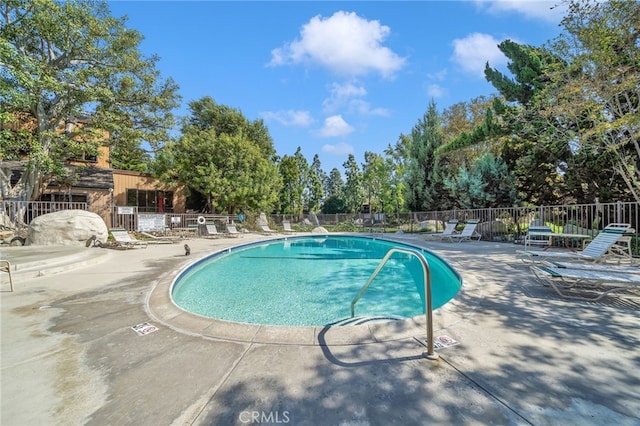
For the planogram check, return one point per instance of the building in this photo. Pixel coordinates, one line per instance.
(91, 180)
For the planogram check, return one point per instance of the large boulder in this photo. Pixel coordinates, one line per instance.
(66, 228)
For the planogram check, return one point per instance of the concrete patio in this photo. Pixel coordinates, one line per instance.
(524, 356)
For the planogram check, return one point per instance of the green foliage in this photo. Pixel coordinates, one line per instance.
(291, 189)
(425, 171)
(127, 157)
(334, 201)
(353, 194)
(487, 183)
(316, 183)
(376, 181)
(594, 101)
(67, 59)
(334, 204)
(234, 172)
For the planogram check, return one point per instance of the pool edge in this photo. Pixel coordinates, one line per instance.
(162, 309)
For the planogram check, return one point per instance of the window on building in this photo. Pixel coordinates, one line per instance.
(150, 201)
(85, 157)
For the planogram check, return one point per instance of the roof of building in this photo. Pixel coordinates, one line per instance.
(88, 177)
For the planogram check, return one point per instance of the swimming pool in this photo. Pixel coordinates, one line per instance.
(311, 281)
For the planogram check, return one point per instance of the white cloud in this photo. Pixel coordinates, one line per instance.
(335, 126)
(348, 96)
(474, 51)
(438, 75)
(436, 91)
(341, 94)
(338, 149)
(289, 118)
(547, 10)
(344, 43)
(364, 108)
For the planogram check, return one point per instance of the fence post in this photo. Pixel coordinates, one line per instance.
(491, 222)
(619, 211)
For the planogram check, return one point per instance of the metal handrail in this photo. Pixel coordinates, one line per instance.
(427, 292)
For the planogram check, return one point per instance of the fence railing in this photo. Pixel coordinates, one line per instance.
(19, 214)
(496, 224)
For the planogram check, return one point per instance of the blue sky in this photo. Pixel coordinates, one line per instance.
(335, 78)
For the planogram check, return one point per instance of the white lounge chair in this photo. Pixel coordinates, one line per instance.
(468, 233)
(266, 230)
(449, 229)
(124, 240)
(233, 231)
(587, 284)
(286, 226)
(212, 231)
(154, 239)
(595, 251)
(591, 266)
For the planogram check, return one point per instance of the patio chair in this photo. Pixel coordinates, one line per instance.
(212, 231)
(592, 266)
(286, 226)
(154, 239)
(595, 251)
(266, 230)
(124, 240)
(468, 233)
(538, 235)
(587, 284)
(233, 231)
(449, 229)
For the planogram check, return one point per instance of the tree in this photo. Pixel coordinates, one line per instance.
(377, 182)
(594, 101)
(425, 179)
(464, 117)
(130, 157)
(316, 183)
(292, 172)
(487, 184)
(334, 201)
(353, 194)
(397, 157)
(62, 60)
(232, 171)
(514, 123)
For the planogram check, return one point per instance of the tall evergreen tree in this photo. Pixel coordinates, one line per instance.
(532, 154)
(487, 183)
(425, 180)
(316, 184)
(353, 189)
(334, 201)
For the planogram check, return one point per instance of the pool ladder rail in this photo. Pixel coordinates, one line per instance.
(430, 354)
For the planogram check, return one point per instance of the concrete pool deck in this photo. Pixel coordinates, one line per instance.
(523, 355)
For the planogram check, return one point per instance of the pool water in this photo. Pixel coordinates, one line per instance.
(311, 281)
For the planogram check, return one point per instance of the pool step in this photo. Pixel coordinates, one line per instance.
(363, 320)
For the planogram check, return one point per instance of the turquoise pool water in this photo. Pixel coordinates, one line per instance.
(311, 281)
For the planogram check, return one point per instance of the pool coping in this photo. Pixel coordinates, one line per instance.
(162, 309)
